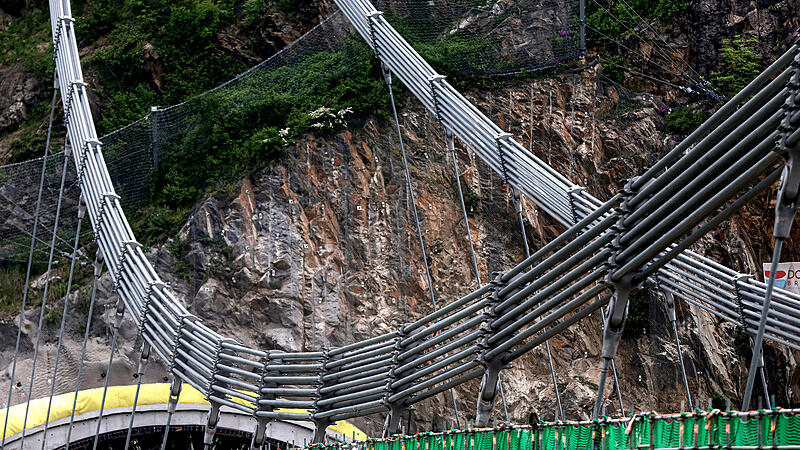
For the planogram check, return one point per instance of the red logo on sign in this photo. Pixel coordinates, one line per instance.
(778, 274)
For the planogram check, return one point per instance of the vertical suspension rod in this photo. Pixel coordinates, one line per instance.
(30, 262)
(388, 78)
(452, 148)
(547, 342)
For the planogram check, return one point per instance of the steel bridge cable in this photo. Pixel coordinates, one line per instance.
(28, 271)
(143, 357)
(43, 306)
(388, 79)
(451, 147)
(113, 234)
(736, 147)
(96, 276)
(716, 124)
(81, 212)
(117, 321)
(547, 342)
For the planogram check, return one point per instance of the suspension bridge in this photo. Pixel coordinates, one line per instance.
(608, 249)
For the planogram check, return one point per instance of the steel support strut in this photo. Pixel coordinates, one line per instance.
(618, 305)
(786, 205)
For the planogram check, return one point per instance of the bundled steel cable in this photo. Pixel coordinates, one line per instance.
(553, 288)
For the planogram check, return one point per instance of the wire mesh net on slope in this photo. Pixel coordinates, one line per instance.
(132, 153)
(129, 159)
(167, 132)
(19, 188)
(482, 38)
(468, 37)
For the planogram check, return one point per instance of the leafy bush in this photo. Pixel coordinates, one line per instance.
(27, 41)
(182, 33)
(236, 131)
(152, 223)
(626, 17)
(684, 120)
(740, 63)
(614, 69)
(472, 201)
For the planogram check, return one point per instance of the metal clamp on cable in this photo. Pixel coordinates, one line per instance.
(101, 215)
(70, 98)
(391, 425)
(81, 207)
(120, 313)
(211, 426)
(433, 83)
(739, 304)
(149, 293)
(370, 20)
(98, 263)
(669, 302)
(492, 366)
(622, 288)
(788, 143)
(499, 139)
(59, 32)
(573, 192)
(84, 155)
(143, 360)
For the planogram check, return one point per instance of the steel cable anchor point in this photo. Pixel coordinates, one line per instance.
(211, 426)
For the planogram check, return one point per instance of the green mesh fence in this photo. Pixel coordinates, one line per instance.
(701, 430)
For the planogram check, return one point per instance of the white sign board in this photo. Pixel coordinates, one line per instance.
(786, 277)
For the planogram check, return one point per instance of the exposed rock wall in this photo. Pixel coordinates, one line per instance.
(320, 249)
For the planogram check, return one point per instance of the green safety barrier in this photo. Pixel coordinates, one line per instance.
(773, 429)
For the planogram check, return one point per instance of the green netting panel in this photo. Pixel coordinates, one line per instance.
(666, 433)
(688, 432)
(615, 437)
(518, 440)
(501, 440)
(743, 431)
(458, 442)
(578, 437)
(547, 438)
(787, 430)
(484, 440)
(685, 432)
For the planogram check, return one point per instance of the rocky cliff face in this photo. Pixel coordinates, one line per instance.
(320, 249)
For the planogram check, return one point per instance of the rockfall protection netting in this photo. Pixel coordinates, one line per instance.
(466, 37)
(132, 153)
(486, 38)
(700, 430)
(19, 187)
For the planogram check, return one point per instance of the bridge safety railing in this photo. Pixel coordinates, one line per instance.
(702, 430)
